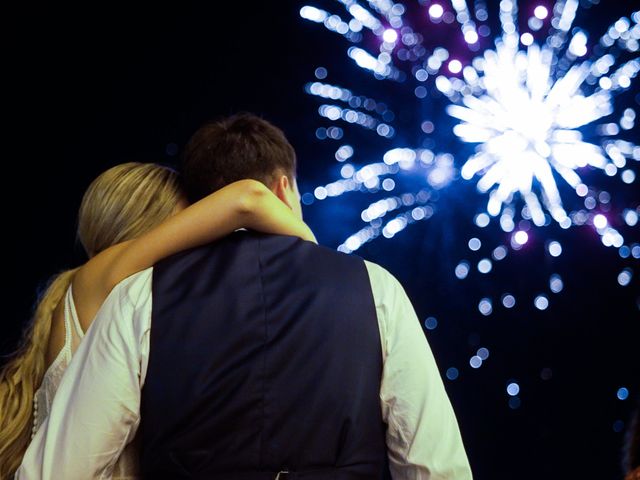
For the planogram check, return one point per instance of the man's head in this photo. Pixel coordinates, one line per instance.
(239, 147)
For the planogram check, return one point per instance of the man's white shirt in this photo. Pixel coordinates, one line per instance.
(96, 410)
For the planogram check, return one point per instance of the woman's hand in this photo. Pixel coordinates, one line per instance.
(262, 210)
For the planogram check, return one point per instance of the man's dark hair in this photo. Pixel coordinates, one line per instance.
(238, 147)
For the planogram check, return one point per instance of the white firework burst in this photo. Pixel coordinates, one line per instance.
(531, 104)
(527, 122)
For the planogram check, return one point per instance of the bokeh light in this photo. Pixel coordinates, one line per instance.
(541, 12)
(436, 11)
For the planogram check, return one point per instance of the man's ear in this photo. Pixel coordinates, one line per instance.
(282, 189)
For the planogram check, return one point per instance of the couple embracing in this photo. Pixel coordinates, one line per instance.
(224, 342)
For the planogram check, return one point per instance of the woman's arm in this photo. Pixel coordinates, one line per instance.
(246, 203)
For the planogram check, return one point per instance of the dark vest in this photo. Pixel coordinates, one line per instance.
(264, 357)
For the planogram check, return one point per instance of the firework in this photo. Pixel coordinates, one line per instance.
(538, 105)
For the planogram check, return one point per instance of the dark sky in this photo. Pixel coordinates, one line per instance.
(92, 87)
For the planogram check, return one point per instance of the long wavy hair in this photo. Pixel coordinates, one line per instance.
(631, 449)
(122, 203)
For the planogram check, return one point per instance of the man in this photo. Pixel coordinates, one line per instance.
(256, 357)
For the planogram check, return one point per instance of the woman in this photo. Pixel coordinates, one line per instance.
(131, 216)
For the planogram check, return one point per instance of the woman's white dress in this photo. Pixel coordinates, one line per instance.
(127, 465)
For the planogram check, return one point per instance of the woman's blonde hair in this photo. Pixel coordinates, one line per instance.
(122, 203)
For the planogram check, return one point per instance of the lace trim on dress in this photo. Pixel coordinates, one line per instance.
(51, 379)
(73, 313)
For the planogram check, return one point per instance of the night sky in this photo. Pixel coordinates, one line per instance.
(93, 87)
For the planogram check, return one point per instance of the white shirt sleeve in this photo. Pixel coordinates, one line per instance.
(423, 438)
(95, 412)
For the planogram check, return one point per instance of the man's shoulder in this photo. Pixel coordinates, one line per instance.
(380, 275)
(377, 273)
(386, 288)
(291, 246)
